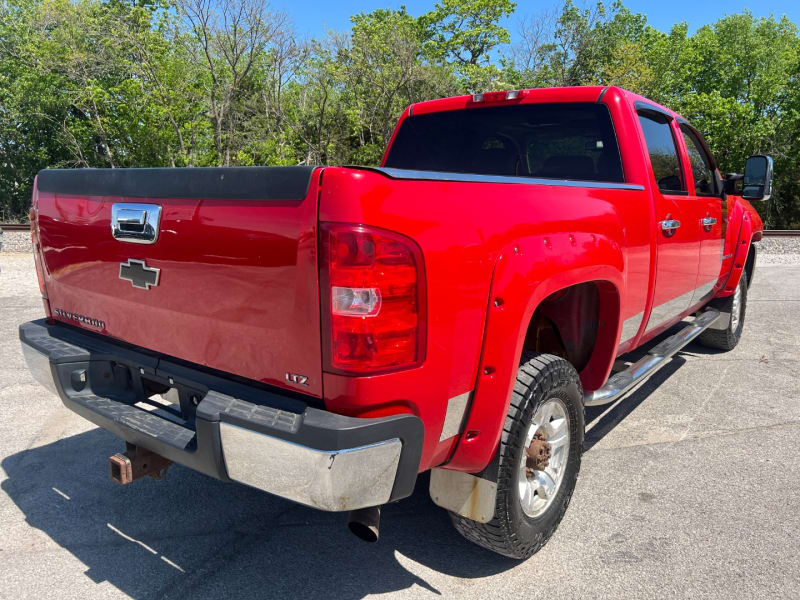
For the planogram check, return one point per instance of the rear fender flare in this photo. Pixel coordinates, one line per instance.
(526, 272)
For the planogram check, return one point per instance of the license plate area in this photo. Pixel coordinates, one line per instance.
(141, 386)
(165, 395)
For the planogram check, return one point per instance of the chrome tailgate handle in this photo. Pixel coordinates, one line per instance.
(135, 223)
(131, 220)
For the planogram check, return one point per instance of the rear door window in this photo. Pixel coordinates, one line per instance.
(573, 141)
(705, 181)
(663, 153)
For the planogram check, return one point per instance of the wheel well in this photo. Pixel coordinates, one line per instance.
(566, 324)
(750, 264)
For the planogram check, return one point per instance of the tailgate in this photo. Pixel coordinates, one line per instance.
(230, 282)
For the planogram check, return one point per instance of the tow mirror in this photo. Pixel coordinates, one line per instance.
(758, 178)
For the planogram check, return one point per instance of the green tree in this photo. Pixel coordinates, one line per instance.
(384, 71)
(120, 83)
(740, 73)
(464, 33)
(735, 79)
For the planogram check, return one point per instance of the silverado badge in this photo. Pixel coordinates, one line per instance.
(139, 274)
(65, 314)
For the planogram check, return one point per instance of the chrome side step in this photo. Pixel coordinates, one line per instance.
(657, 357)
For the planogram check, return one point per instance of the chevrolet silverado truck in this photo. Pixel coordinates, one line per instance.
(325, 334)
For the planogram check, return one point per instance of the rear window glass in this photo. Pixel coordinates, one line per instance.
(556, 141)
(663, 154)
(702, 170)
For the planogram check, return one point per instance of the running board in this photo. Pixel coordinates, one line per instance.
(619, 383)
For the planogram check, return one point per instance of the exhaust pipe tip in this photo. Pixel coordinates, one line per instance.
(364, 523)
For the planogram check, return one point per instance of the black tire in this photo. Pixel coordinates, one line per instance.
(511, 532)
(726, 339)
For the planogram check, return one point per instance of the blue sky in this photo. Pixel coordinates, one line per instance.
(313, 17)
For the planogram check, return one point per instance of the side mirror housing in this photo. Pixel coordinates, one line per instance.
(730, 183)
(757, 183)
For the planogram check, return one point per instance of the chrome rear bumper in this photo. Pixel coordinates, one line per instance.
(333, 480)
(237, 432)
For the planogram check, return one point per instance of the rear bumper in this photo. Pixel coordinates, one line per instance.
(231, 431)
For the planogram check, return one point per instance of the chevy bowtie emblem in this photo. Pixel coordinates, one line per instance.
(139, 274)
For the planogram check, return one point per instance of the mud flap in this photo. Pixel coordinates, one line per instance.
(470, 495)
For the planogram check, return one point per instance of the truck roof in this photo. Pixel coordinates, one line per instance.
(588, 93)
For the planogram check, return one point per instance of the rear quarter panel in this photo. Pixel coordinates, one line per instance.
(468, 233)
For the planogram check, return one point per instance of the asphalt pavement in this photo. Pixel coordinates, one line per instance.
(690, 488)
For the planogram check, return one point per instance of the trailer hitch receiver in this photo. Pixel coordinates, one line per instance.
(137, 462)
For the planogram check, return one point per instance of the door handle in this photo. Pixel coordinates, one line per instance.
(708, 223)
(668, 226)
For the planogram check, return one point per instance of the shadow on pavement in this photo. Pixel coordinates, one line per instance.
(191, 534)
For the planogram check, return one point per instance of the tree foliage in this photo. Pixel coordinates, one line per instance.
(116, 83)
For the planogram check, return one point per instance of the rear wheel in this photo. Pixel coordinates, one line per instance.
(735, 304)
(540, 456)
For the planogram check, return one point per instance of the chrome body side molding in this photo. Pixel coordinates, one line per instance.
(671, 308)
(456, 408)
(630, 326)
(704, 292)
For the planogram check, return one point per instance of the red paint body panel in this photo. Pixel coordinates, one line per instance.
(746, 228)
(240, 289)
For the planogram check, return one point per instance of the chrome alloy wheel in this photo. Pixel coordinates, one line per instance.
(540, 476)
(736, 307)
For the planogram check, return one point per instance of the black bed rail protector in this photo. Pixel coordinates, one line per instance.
(219, 183)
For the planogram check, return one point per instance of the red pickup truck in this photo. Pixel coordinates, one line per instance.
(327, 333)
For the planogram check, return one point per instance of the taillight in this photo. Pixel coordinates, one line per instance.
(373, 300)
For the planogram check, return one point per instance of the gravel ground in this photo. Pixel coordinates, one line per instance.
(16, 241)
(689, 489)
(779, 251)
